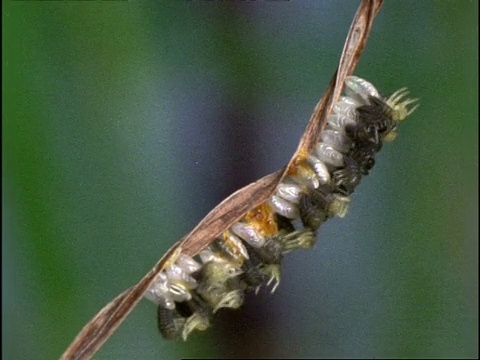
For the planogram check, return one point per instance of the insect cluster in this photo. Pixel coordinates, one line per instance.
(317, 187)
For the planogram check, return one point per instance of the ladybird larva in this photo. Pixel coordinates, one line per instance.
(249, 253)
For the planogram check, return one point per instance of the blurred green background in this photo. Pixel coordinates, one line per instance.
(125, 123)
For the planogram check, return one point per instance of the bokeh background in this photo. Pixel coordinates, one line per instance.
(125, 123)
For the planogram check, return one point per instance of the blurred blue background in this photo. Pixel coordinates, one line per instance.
(125, 123)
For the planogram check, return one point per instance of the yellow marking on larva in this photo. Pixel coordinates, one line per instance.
(306, 172)
(263, 219)
(299, 160)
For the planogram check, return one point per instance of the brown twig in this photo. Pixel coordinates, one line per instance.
(100, 328)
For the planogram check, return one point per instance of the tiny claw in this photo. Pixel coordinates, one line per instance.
(274, 271)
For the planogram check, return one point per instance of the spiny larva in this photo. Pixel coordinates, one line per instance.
(249, 253)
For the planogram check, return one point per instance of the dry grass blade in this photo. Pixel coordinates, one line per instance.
(99, 329)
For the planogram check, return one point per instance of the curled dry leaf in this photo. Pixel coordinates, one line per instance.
(98, 330)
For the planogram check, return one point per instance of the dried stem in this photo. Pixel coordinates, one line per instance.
(100, 328)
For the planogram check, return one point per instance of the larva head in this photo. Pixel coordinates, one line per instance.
(399, 107)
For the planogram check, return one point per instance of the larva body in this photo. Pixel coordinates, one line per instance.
(248, 254)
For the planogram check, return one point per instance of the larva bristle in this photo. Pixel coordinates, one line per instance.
(400, 108)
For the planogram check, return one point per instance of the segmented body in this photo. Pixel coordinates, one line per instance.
(248, 254)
